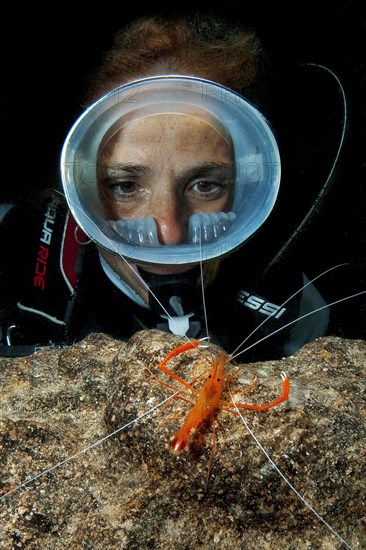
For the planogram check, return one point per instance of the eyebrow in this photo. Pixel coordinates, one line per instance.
(128, 167)
(202, 169)
(207, 168)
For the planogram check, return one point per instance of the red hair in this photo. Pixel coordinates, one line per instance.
(202, 46)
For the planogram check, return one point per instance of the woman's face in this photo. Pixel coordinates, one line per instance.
(167, 166)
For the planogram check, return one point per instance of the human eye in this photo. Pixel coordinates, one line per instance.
(206, 190)
(122, 190)
(210, 181)
(121, 182)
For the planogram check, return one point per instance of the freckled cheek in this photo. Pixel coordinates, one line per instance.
(222, 204)
(226, 202)
(105, 201)
(115, 209)
(112, 209)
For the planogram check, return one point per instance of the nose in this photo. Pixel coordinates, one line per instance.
(171, 224)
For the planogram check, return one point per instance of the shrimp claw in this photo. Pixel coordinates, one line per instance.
(174, 353)
(284, 395)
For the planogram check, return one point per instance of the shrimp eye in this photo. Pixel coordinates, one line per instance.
(209, 376)
(219, 379)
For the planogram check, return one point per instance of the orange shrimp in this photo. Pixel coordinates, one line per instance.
(209, 401)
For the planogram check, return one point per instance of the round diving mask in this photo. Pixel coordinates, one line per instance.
(210, 234)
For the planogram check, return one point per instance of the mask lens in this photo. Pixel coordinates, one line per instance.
(233, 121)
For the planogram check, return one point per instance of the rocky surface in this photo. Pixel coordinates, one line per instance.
(130, 492)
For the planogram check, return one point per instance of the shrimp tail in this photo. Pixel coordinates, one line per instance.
(180, 440)
(183, 436)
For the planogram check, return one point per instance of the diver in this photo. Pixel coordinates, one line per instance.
(181, 178)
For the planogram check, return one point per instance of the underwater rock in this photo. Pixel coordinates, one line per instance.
(128, 491)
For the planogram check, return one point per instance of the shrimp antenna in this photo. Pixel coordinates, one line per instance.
(235, 354)
(299, 319)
